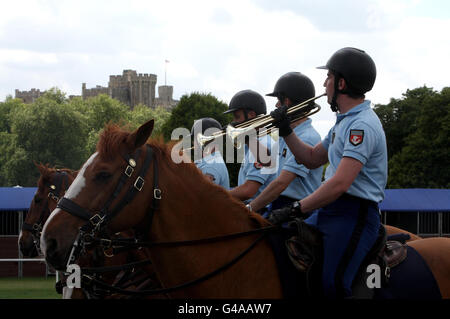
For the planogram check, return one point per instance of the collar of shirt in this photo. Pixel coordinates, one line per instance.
(360, 107)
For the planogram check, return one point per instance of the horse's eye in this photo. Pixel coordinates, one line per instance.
(37, 200)
(102, 176)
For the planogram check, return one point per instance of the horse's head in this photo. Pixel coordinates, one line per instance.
(100, 189)
(51, 186)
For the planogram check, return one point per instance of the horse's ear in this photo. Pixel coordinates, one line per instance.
(42, 169)
(141, 135)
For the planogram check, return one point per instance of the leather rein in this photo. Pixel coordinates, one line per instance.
(96, 223)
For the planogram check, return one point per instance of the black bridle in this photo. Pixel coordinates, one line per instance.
(96, 222)
(60, 185)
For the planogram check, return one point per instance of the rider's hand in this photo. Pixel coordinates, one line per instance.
(281, 215)
(281, 120)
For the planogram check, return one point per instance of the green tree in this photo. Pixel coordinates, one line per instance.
(7, 150)
(47, 131)
(5, 111)
(418, 136)
(103, 109)
(141, 114)
(399, 117)
(192, 107)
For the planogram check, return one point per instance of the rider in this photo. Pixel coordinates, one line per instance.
(254, 175)
(294, 181)
(210, 160)
(356, 176)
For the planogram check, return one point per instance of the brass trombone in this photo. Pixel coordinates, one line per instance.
(264, 124)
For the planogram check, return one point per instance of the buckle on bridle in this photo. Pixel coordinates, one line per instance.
(157, 193)
(129, 171)
(95, 220)
(139, 183)
(53, 196)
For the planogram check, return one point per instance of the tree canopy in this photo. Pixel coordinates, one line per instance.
(417, 129)
(59, 131)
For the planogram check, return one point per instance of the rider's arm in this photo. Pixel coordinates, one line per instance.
(246, 190)
(334, 187)
(310, 156)
(273, 190)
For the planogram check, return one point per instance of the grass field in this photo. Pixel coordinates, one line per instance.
(28, 288)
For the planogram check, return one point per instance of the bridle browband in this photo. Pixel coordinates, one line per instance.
(98, 220)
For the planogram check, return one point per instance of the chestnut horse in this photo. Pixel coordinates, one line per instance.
(175, 203)
(52, 185)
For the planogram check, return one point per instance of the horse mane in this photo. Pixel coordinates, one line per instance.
(203, 184)
(113, 136)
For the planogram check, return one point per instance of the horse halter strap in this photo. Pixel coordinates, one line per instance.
(102, 217)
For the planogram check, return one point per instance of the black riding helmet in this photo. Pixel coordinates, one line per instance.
(356, 67)
(201, 125)
(247, 100)
(295, 86)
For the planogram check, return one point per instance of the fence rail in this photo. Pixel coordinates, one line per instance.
(424, 224)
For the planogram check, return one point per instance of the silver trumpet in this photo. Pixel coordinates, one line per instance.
(262, 124)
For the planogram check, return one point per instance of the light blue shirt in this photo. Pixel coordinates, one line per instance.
(306, 181)
(251, 170)
(214, 166)
(359, 134)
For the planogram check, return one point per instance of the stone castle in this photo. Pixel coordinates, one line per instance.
(130, 88)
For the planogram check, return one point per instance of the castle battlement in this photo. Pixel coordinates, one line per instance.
(130, 88)
(28, 96)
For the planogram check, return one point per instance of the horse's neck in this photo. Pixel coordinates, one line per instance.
(207, 205)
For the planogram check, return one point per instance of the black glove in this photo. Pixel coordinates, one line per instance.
(281, 215)
(281, 120)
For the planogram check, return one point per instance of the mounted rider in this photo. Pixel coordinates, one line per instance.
(254, 174)
(356, 176)
(209, 159)
(294, 181)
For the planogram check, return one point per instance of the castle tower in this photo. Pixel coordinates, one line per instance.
(165, 97)
(28, 97)
(132, 88)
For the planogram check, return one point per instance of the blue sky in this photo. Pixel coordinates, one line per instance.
(221, 47)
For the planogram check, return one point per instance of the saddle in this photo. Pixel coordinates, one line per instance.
(305, 252)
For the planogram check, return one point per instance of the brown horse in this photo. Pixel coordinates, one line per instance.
(391, 230)
(52, 184)
(189, 208)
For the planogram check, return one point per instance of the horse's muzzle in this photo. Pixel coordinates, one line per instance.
(53, 255)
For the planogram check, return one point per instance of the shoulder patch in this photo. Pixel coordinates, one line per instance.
(257, 165)
(356, 137)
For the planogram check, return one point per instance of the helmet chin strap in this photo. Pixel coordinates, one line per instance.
(246, 115)
(334, 106)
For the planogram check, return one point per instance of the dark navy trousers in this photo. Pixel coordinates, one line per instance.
(338, 221)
